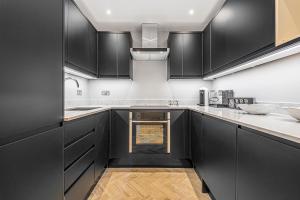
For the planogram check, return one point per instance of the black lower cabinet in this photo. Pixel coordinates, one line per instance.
(81, 189)
(102, 143)
(219, 166)
(179, 134)
(267, 169)
(32, 169)
(85, 154)
(119, 138)
(197, 142)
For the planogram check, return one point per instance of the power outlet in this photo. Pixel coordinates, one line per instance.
(105, 93)
(79, 92)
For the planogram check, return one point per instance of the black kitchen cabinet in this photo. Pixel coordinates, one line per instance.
(186, 53)
(114, 58)
(197, 141)
(81, 40)
(32, 168)
(219, 159)
(207, 50)
(241, 28)
(119, 138)
(31, 74)
(179, 134)
(267, 169)
(102, 143)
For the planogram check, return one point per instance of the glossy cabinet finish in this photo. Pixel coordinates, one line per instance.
(32, 169)
(31, 74)
(114, 58)
(119, 137)
(267, 169)
(81, 40)
(207, 50)
(241, 28)
(185, 59)
(219, 166)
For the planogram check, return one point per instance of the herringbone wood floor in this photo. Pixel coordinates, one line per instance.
(148, 184)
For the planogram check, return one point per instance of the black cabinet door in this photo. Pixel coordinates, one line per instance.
(81, 41)
(179, 134)
(92, 60)
(267, 169)
(32, 169)
(207, 50)
(114, 56)
(242, 27)
(219, 164)
(175, 43)
(102, 143)
(192, 54)
(119, 138)
(197, 141)
(123, 54)
(107, 54)
(31, 73)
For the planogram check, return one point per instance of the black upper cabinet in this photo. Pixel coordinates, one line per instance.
(114, 58)
(185, 59)
(267, 169)
(31, 60)
(219, 159)
(32, 168)
(240, 29)
(81, 41)
(207, 50)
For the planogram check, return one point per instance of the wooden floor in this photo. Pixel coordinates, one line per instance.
(148, 184)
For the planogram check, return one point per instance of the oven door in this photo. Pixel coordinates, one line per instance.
(149, 137)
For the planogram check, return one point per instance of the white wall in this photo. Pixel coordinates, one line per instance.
(275, 82)
(71, 97)
(150, 85)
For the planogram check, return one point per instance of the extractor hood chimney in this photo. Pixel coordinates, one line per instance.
(149, 50)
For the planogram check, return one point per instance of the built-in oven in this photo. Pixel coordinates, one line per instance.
(149, 132)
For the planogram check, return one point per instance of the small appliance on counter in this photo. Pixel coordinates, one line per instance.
(219, 98)
(202, 98)
(233, 102)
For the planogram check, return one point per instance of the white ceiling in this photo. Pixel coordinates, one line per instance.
(171, 15)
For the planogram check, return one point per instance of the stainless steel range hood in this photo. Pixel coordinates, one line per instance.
(149, 50)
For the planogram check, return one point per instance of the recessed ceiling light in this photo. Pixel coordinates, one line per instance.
(191, 12)
(108, 12)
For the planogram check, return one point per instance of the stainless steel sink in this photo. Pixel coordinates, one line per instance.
(82, 108)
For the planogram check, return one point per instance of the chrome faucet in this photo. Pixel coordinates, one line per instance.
(73, 79)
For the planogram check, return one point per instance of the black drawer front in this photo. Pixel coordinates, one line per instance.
(78, 128)
(83, 185)
(77, 149)
(74, 172)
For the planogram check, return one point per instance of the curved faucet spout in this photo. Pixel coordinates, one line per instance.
(73, 79)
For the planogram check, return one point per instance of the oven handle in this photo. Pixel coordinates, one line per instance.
(168, 122)
(164, 122)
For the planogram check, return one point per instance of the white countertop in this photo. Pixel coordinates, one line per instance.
(279, 125)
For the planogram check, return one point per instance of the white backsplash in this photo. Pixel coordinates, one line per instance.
(276, 82)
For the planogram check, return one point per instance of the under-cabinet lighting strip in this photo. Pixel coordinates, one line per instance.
(281, 53)
(77, 73)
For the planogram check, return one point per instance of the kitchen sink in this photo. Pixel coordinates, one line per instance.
(82, 108)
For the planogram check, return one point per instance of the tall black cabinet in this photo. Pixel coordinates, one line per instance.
(185, 59)
(80, 41)
(114, 58)
(31, 85)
